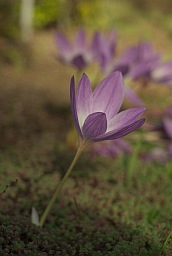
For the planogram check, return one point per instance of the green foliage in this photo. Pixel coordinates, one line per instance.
(9, 19)
(46, 13)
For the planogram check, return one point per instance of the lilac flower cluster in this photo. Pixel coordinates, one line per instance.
(137, 62)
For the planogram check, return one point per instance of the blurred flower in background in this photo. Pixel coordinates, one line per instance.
(80, 53)
(162, 152)
(163, 73)
(147, 66)
(111, 148)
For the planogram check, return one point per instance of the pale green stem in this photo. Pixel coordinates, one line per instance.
(59, 187)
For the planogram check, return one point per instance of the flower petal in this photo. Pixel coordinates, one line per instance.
(108, 95)
(129, 56)
(113, 135)
(83, 99)
(145, 51)
(163, 73)
(95, 44)
(63, 44)
(144, 69)
(94, 125)
(81, 39)
(132, 97)
(73, 106)
(124, 118)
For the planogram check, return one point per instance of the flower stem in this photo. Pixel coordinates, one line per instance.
(59, 187)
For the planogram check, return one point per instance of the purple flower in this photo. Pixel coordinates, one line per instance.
(159, 155)
(109, 64)
(138, 59)
(111, 148)
(147, 65)
(80, 53)
(95, 113)
(144, 61)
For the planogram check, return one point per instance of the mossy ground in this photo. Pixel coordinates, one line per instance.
(107, 207)
(111, 207)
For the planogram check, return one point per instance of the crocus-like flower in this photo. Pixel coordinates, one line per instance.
(109, 63)
(80, 53)
(148, 65)
(144, 61)
(95, 114)
(96, 119)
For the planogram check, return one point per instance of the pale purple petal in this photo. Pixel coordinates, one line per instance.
(108, 95)
(104, 54)
(63, 44)
(73, 106)
(163, 73)
(95, 44)
(168, 126)
(106, 148)
(129, 56)
(113, 135)
(83, 99)
(145, 51)
(95, 124)
(123, 145)
(124, 118)
(144, 67)
(132, 97)
(111, 41)
(158, 155)
(81, 39)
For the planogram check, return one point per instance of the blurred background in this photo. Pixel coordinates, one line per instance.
(33, 84)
